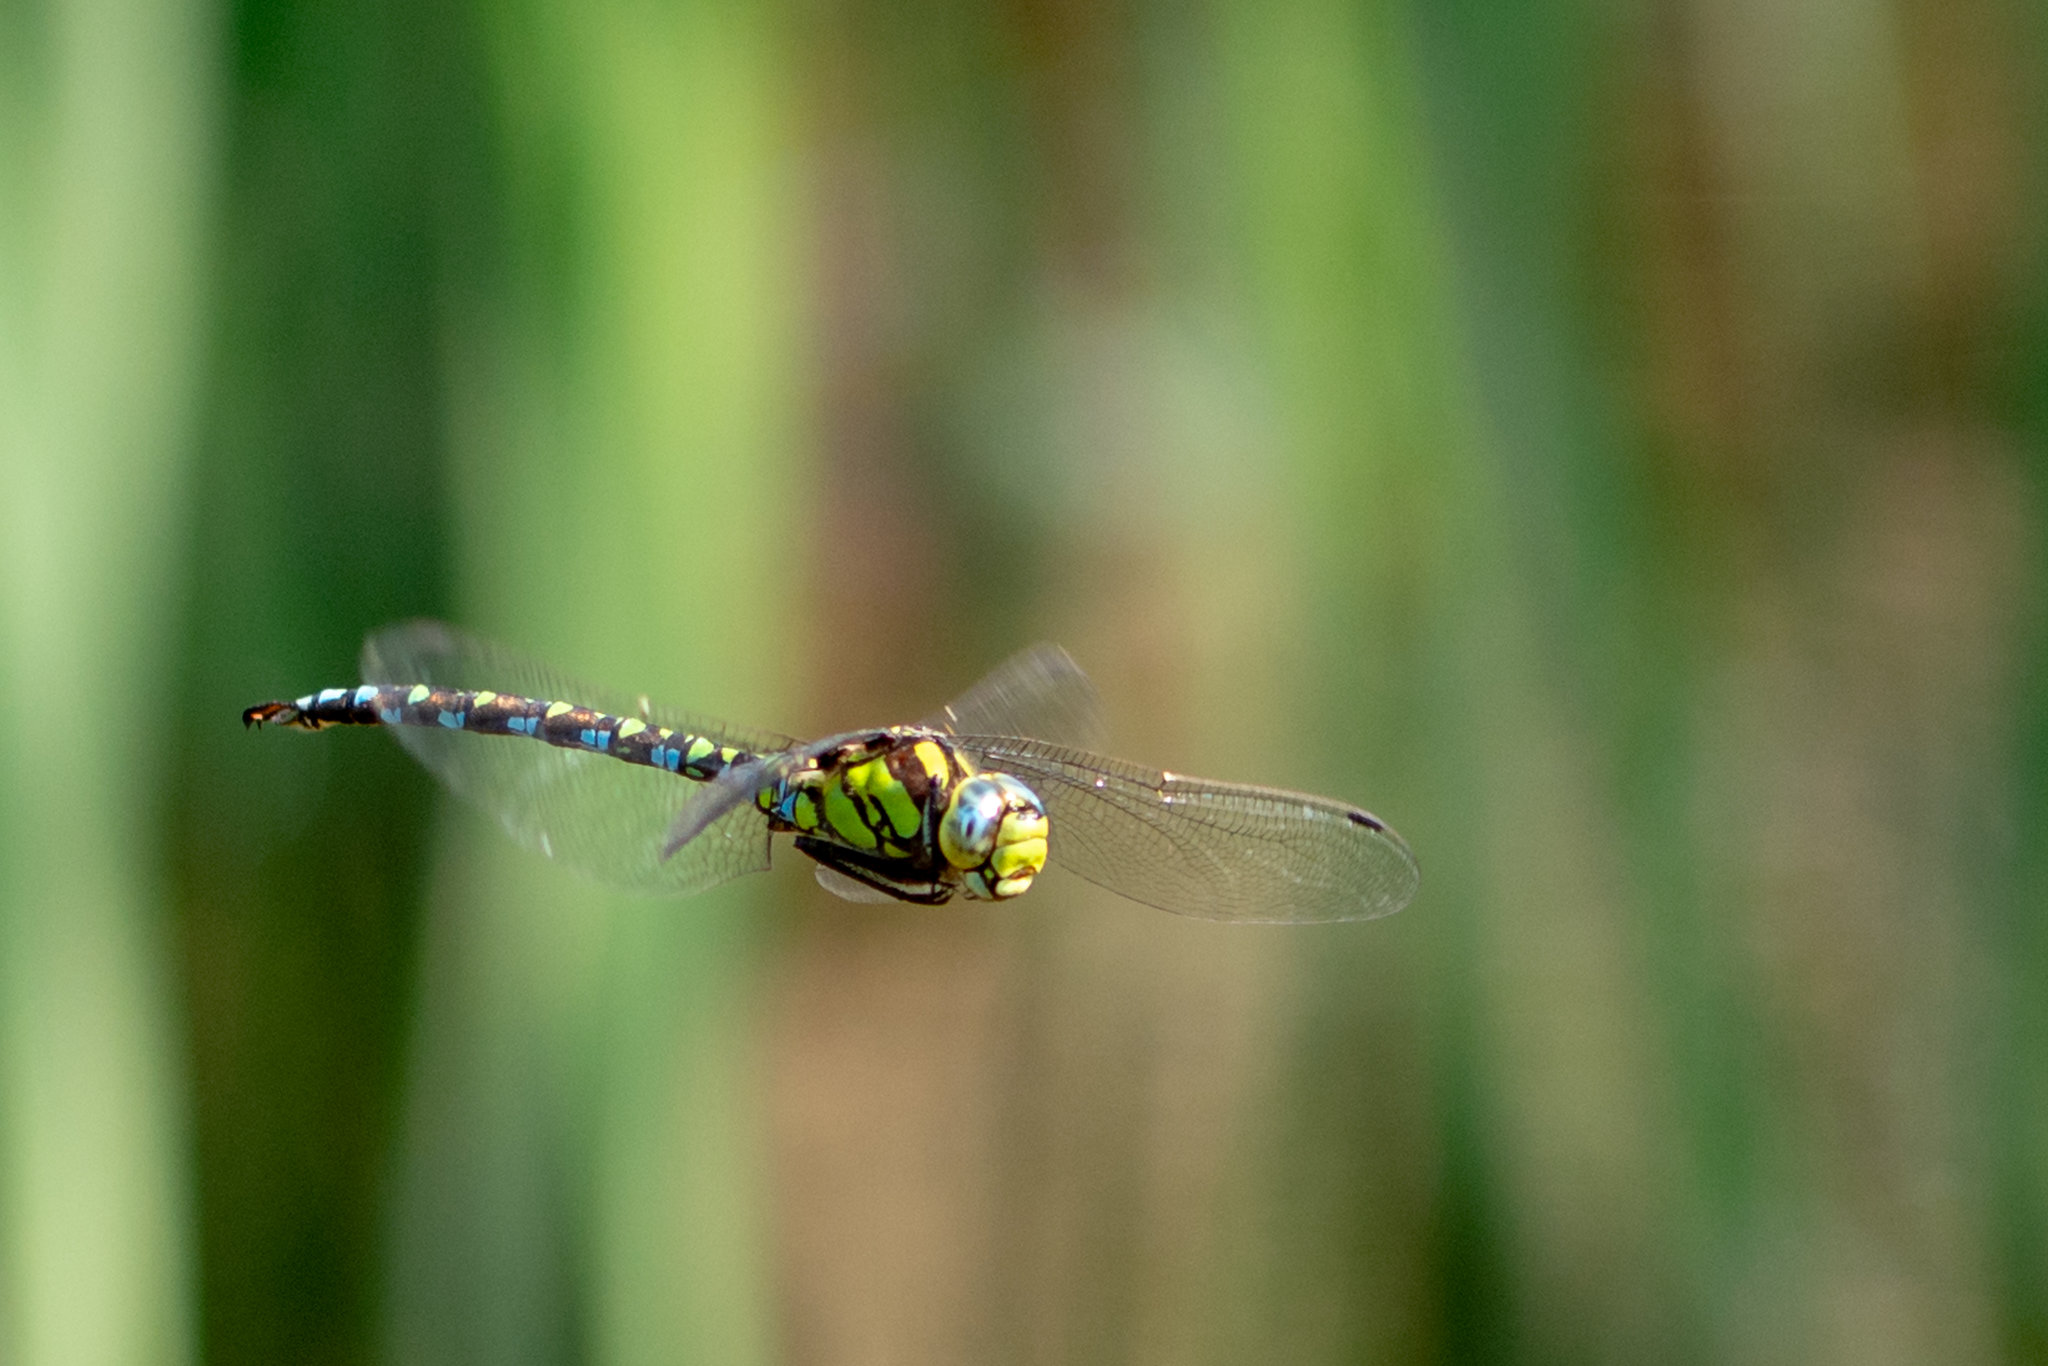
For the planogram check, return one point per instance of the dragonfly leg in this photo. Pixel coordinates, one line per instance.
(896, 877)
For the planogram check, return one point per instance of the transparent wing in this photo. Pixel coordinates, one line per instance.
(846, 889)
(1219, 851)
(714, 801)
(1039, 692)
(606, 820)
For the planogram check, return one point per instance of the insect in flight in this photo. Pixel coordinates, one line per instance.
(970, 802)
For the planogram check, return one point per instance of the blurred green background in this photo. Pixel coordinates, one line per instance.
(1605, 439)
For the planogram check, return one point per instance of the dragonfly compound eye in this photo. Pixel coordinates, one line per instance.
(994, 831)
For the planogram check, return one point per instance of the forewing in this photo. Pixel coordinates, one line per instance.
(1039, 692)
(1219, 851)
(605, 819)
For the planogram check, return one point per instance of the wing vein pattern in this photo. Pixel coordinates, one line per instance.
(1219, 851)
(606, 820)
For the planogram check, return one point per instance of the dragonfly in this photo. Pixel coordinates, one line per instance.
(970, 802)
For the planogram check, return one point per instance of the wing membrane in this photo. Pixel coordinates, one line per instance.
(1038, 692)
(1218, 851)
(606, 820)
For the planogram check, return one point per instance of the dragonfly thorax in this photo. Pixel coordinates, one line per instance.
(904, 812)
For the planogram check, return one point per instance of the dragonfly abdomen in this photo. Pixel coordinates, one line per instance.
(563, 724)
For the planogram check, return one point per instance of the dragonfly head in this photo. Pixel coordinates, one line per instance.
(994, 832)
